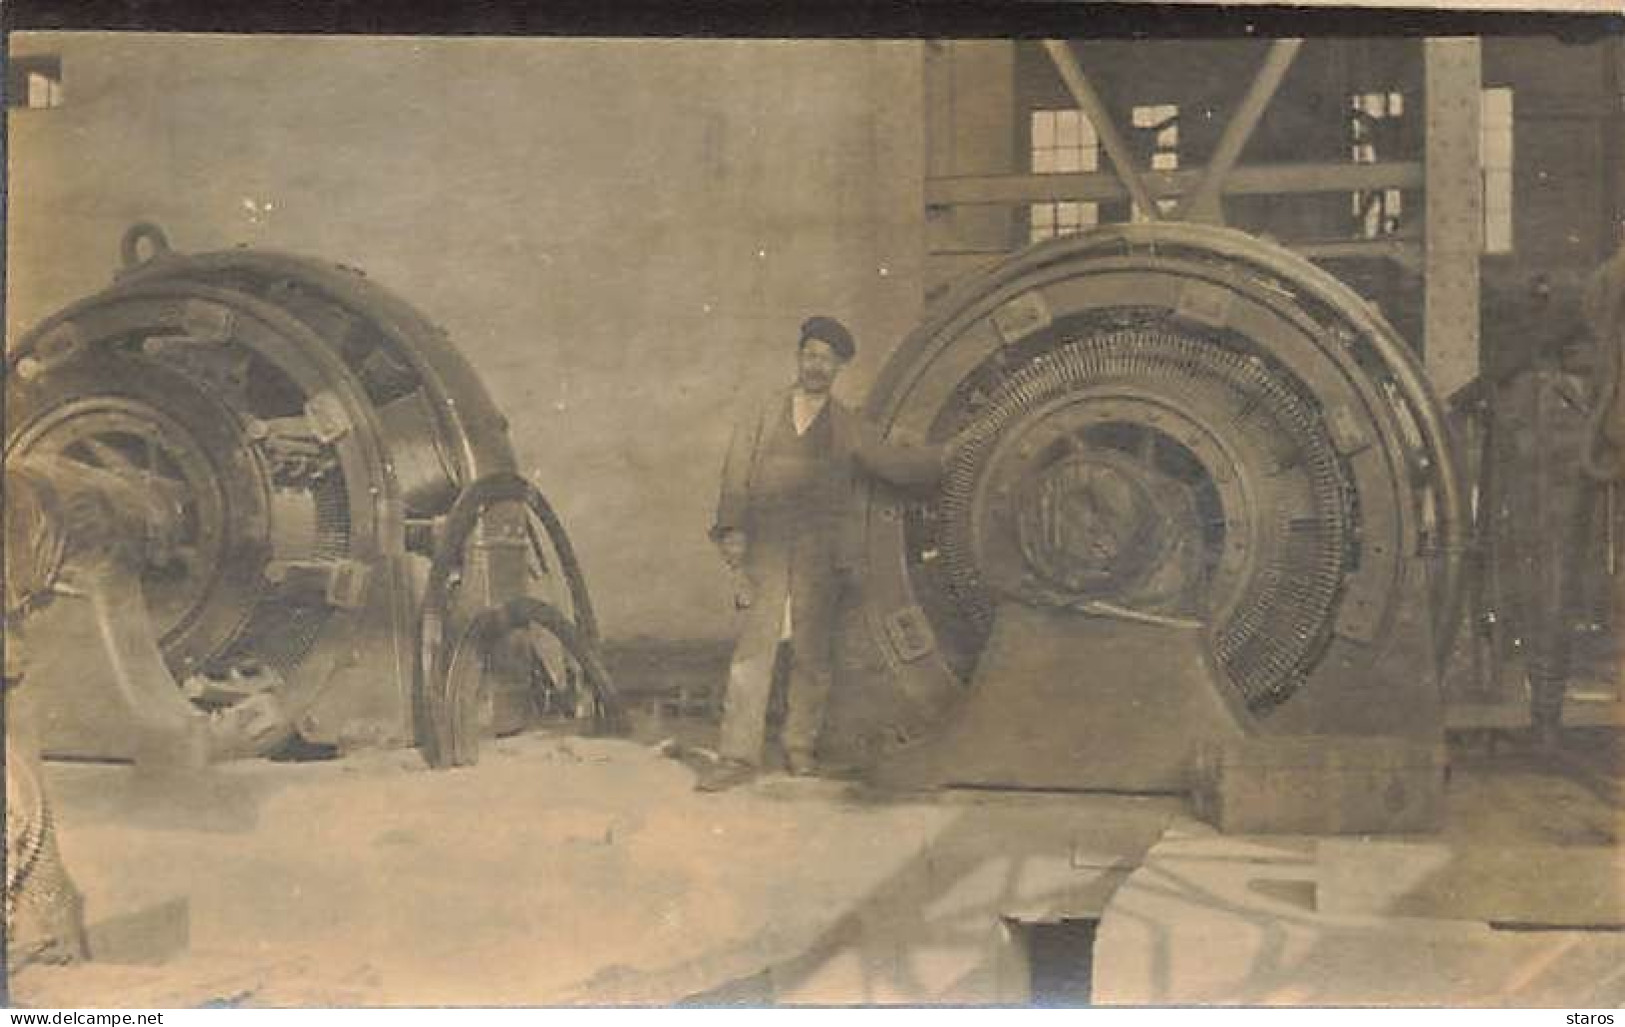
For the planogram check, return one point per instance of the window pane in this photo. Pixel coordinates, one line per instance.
(1496, 138)
(33, 82)
(1165, 161)
(1498, 211)
(1043, 215)
(1496, 155)
(1043, 130)
(1043, 161)
(1067, 131)
(1069, 160)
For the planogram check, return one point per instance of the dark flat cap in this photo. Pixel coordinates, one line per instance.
(830, 331)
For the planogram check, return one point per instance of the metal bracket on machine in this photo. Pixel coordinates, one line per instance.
(99, 687)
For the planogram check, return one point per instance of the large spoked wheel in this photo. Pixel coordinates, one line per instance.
(467, 650)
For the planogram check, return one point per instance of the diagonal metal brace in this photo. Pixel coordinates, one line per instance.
(1112, 141)
(1203, 203)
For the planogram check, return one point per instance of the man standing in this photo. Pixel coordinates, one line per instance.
(785, 527)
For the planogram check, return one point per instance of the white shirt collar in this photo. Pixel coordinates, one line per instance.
(804, 409)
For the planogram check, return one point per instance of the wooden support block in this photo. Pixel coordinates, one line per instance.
(1321, 784)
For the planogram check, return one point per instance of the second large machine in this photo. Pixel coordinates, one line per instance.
(1208, 494)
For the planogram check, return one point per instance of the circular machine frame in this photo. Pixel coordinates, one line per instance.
(78, 343)
(330, 333)
(1405, 507)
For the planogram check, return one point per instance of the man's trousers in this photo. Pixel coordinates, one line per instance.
(800, 570)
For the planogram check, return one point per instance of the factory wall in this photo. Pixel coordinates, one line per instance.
(620, 235)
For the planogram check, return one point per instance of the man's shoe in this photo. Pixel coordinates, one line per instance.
(724, 775)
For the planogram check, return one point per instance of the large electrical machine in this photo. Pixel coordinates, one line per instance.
(323, 535)
(1203, 493)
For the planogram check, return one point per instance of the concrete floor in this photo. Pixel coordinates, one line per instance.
(567, 871)
(1518, 901)
(586, 871)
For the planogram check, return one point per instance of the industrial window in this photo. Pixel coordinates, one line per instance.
(1495, 158)
(1063, 142)
(1162, 121)
(1373, 118)
(1065, 217)
(34, 82)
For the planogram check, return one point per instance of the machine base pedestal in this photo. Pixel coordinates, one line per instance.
(1067, 700)
(98, 688)
(1322, 784)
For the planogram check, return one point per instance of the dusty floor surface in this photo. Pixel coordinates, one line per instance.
(558, 870)
(1517, 902)
(587, 871)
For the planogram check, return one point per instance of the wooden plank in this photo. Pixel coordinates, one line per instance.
(1203, 204)
(1407, 253)
(946, 266)
(1320, 784)
(1254, 180)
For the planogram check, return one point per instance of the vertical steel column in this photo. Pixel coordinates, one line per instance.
(1454, 200)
